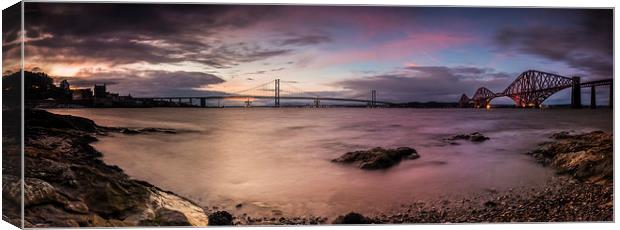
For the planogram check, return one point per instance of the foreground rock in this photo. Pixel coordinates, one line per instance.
(473, 137)
(220, 218)
(351, 218)
(67, 185)
(141, 130)
(587, 156)
(377, 158)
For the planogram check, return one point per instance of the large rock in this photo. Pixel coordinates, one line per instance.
(220, 218)
(169, 217)
(473, 137)
(39, 192)
(194, 214)
(377, 158)
(351, 218)
(11, 190)
(587, 156)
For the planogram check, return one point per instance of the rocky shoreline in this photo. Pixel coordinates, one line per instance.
(67, 185)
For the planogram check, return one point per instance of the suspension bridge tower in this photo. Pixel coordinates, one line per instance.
(373, 98)
(277, 94)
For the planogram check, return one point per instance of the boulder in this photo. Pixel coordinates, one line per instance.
(11, 189)
(587, 156)
(142, 130)
(351, 218)
(473, 137)
(169, 217)
(477, 137)
(76, 206)
(377, 158)
(220, 218)
(561, 135)
(129, 131)
(39, 192)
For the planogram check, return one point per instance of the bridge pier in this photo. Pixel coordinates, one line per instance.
(464, 101)
(203, 102)
(592, 97)
(575, 99)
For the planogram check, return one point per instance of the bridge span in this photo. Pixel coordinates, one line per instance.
(275, 90)
(203, 100)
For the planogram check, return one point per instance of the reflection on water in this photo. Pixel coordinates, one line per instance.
(270, 159)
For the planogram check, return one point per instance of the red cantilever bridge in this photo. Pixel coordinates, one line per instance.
(532, 87)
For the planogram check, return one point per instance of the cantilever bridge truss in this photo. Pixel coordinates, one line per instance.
(532, 88)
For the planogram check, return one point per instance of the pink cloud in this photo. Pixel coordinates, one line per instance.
(368, 22)
(413, 43)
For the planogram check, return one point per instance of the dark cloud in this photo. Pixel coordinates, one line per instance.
(306, 40)
(11, 25)
(150, 83)
(226, 56)
(130, 33)
(428, 83)
(586, 45)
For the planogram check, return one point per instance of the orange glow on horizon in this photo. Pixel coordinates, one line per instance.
(251, 99)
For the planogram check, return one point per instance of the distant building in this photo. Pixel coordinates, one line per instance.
(82, 94)
(100, 91)
(127, 98)
(114, 97)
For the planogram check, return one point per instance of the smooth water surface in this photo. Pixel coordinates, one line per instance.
(279, 159)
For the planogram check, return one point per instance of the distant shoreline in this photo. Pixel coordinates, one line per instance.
(75, 106)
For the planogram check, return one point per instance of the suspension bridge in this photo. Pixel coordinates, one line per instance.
(531, 88)
(275, 90)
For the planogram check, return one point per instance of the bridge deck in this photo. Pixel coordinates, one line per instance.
(264, 97)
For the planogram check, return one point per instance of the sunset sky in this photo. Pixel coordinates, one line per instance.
(405, 53)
